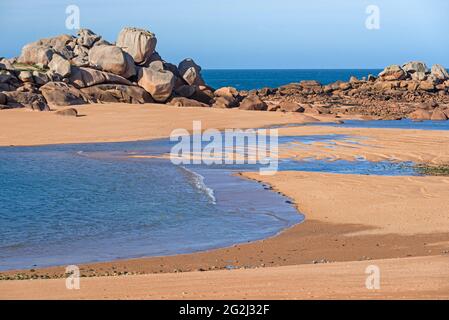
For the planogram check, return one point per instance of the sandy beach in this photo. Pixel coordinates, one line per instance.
(407, 278)
(398, 223)
(127, 122)
(125, 166)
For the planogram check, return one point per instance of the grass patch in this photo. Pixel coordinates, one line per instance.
(28, 67)
(433, 170)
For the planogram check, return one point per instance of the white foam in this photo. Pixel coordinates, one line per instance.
(200, 185)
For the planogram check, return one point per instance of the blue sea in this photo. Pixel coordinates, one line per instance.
(272, 78)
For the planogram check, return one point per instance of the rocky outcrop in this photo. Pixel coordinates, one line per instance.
(203, 94)
(71, 70)
(6, 65)
(287, 106)
(59, 66)
(420, 114)
(191, 72)
(41, 52)
(159, 83)
(438, 115)
(36, 54)
(85, 68)
(392, 73)
(228, 92)
(112, 59)
(62, 94)
(439, 72)
(427, 86)
(138, 43)
(40, 78)
(86, 77)
(226, 97)
(116, 93)
(3, 98)
(185, 90)
(69, 112)
(225, 102)
(415, 66)
(87, 38)
(253, 102)
(373, 97)
(25, 76)
(28, 100)
(185, 102)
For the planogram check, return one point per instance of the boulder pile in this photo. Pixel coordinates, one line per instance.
(70, 70)
(409, 91)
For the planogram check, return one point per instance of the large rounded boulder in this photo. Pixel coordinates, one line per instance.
(35, 53)
(439, 72)
(158, 83)
(86, 77)
(229, 92)
(87, 38)
(392, 73)
(415, 66)
(138, 43)
(112, 59)
(60, 66)
(253, 102)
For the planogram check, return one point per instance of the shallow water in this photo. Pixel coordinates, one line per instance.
(392, 124)
(59, 207)
(79, 203)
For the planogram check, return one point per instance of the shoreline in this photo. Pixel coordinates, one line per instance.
(401, 216)
(343, 212)
(308, 237)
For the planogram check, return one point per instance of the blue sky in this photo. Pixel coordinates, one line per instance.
(251, 33)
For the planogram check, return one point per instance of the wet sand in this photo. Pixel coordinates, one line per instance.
(350, 219)
(420, 146)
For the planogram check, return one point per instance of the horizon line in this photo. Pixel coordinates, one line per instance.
(293, 68)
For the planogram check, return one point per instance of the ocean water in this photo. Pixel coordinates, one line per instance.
(69, 204)
(257, 79)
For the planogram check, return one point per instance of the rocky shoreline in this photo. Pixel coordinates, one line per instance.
(72, 70)
(411, 91)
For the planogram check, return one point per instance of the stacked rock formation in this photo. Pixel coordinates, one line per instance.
(68, 70)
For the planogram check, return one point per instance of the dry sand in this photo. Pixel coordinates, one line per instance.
(125, 122)
(382, 204)
(409, 278)
(349, 218)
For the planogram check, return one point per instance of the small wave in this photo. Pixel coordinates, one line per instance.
(198, 181)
